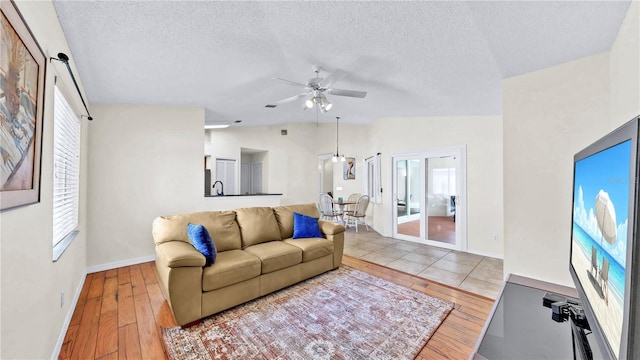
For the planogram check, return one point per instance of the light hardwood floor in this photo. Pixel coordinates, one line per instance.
(120, 314)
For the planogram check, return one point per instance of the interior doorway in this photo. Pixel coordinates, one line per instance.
(226, 173)
(325, 173)
(428, 193)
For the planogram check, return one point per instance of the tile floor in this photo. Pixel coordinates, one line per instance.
(478, 274)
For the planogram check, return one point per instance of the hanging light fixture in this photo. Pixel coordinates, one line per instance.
(337, 154)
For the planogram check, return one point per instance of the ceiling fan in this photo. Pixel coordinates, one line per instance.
(316, 88)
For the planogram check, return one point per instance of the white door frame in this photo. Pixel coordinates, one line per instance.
(255, 183)
(245, 176)
(321, 169)
(460, 153)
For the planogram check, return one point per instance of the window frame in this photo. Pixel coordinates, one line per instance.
(372, 184)
(67, 154)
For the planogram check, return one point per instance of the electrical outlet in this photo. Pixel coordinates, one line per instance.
(62, 299)
(495, 238)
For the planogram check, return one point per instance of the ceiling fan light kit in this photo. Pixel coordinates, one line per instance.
(308, 104)
(316, 88)
(323, 104)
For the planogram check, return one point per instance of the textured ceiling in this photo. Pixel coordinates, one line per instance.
(413, 58)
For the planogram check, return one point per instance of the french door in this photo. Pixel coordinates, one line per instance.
(428, 197)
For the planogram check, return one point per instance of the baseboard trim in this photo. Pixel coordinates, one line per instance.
(486, 253)
(67, 320)
(117, 264)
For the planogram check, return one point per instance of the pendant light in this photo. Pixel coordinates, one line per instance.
(337, 154)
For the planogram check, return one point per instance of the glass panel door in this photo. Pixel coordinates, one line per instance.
(408, 197)
(441, 198)
(427, 189)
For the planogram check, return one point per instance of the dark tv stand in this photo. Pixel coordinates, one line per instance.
(521, 325)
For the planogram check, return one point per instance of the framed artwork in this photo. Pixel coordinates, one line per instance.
(22, 77)
(349, 169)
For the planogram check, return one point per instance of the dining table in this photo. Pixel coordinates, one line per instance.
(342, 204)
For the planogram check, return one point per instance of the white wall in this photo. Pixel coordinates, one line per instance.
(30, 282)
(293, 158)
(353, 142)
(327, 175)
(288, 157)
(146, 161)
(549, 115)
(483, 139)
(624, 69)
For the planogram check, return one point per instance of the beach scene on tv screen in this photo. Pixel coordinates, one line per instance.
(600, 217)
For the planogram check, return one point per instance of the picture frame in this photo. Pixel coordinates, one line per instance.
(22, 85)
(349, 169)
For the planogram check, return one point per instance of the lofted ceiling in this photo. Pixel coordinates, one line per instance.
(445, 58)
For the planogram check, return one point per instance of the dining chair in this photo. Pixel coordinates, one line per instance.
(353, 198)
(327, 210)
(360, 212)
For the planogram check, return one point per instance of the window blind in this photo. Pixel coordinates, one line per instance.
(66, 168)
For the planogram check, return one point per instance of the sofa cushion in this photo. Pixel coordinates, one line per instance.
(201, 240)
(312, 248)
(305, 226)
(257, 225)
(276, 255)
(231, 267)
(221, 225)
(284, 216)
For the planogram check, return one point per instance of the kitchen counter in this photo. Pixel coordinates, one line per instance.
(221, 196)
(228, 202)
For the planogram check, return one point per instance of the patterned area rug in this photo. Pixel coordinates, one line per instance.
(342, 314)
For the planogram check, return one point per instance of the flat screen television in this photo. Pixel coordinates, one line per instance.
(605, 254)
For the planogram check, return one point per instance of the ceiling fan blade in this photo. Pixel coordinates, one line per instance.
(336, 75)
(293, 98)
(289, 82)
(350, 93)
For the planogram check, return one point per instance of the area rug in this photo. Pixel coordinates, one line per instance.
(342, 314)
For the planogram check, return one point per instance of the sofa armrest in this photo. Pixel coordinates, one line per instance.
(180, 254)
(179, 267)
(335, 233)
(330, 228)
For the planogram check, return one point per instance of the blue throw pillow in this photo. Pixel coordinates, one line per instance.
(305, 227)
(202, 241)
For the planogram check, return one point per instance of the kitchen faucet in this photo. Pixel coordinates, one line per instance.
(221, 191)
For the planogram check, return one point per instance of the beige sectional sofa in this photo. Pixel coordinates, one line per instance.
(256, 256)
